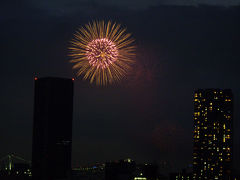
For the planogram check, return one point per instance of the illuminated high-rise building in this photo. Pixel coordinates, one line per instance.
(52, 129)
(213, 140)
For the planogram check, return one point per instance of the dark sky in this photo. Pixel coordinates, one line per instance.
(148, 116)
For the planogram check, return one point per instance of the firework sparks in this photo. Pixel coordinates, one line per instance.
(102, 52)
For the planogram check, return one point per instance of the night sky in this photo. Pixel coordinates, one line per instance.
(181, 46)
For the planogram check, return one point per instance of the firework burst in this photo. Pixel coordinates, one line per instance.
(102, 52)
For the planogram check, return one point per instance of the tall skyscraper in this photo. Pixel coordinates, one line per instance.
(213, 130)
(52, 129)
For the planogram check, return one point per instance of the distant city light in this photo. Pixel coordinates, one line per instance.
(140, 178)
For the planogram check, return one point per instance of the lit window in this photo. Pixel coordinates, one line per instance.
(196, 113)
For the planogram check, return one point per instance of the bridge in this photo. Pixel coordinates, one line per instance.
(8, 162)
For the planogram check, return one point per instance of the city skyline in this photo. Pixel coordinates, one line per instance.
(148, 117)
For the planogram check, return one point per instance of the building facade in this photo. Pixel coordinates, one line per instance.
(52, 129)
(213, 134)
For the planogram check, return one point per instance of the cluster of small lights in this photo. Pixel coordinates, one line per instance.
(179, 177)
(19, 172)
(210, 135)
(28, 172)
(101, 53)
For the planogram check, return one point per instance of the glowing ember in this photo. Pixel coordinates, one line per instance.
(101, 53)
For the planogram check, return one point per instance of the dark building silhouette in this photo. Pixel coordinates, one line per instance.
(120, 170)
(184, 174)
(213, 130)
(146, 171)
(52, 128)
(127, 169)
